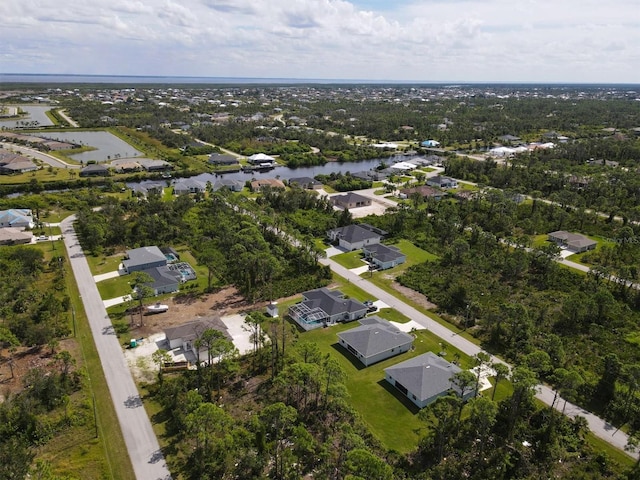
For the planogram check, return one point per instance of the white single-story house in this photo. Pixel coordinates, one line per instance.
(383, 256)
(350, 200)
(423, 378)
(375, 340)
(260, 158)
(184, 336)
(323, 307)
(355, 237)
(14, 236)
(573, 241)
(144, 258)
(16, 218)
(442, 182)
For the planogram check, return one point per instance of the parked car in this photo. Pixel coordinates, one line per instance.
(43, 237)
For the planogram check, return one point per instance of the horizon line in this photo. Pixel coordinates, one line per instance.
(307, 80)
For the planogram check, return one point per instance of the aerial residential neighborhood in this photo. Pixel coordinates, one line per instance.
(319, 281)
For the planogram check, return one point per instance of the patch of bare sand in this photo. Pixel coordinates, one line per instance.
(186, 307)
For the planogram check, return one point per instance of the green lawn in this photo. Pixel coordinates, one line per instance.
(349, 259)
(398, 428)
(392, 315)
(578, 257)
(350, 290)
(114, 287)
(100, 264)
(467, 186)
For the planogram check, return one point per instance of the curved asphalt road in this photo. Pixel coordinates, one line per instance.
(142, 444)
(598, 426)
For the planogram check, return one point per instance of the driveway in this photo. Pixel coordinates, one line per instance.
(598, 426)
(142, 444)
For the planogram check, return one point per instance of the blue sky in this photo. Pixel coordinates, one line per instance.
(419, 40)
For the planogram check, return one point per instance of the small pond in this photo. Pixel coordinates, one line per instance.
(109, 147)
(36, 113)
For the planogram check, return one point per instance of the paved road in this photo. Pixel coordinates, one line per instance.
(44, 157)
(142, 444)
(599, 427)
(63, 114)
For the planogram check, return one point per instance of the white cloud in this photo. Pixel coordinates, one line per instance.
(427, 40)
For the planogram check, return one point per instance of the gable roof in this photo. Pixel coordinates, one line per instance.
(425, 376)
(375, 336)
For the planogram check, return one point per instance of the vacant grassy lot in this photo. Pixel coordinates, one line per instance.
(389, 414)
(100, 264)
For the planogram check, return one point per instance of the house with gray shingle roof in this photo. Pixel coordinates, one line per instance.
(184, 336)
(383, 256)
(423, 378)
(144, 258)
(350, 200)
(375, 340)
(323, 307)
(573, 241)
(165, 280)
(222, 159)
(356, 236)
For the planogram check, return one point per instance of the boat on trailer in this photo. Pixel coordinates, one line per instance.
(157, 308)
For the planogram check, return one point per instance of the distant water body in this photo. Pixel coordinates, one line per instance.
(22, 78)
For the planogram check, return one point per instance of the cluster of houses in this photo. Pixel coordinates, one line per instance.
(15, 226)
(14, 163)
(163, 265)
(421, 379)
(366, 237)
(125, 166)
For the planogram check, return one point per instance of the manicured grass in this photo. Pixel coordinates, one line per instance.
(350, 290)
(114, 287)
(578, 257)
(104, 263)
(349, 259)
(398, 428)
(329, 189)
(392, 315)
(467, 186)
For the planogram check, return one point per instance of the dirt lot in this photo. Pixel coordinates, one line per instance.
(417, 297)
(184, 308)
(25, 359)
(181, 309)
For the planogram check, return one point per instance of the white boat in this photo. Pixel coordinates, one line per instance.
(157, 308)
